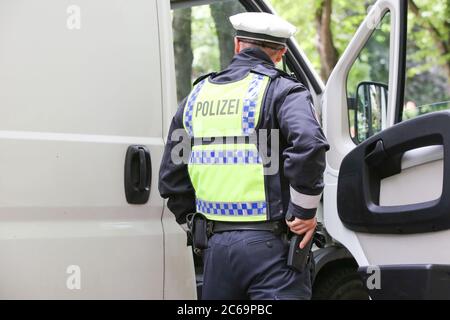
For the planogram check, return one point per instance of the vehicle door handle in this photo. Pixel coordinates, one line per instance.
(138, 174)
(143, 184)
(377, 155)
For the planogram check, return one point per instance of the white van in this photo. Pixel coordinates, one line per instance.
(87, 92)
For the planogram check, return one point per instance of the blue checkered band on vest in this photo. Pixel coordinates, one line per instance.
(190, 108)
(250, 101)
(231, 209)
(224, 157)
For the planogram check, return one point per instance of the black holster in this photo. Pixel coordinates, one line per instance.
(298, 259)
(199, 229)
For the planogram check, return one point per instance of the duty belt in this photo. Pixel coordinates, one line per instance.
(277, 227)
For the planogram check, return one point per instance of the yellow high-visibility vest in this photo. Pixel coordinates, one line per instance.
(228, 178)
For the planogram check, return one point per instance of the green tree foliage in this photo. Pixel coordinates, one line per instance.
(221, 11)
(181, 24)
(346, 17)
(301, 14)
(325, 28)
(428, 56)
(203, 40)
(428, 47)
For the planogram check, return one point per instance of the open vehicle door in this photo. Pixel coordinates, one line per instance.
(387, 196)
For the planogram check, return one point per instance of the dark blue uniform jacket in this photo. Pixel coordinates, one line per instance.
(287, 107)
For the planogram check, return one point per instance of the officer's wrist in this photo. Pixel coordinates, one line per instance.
(301, 213)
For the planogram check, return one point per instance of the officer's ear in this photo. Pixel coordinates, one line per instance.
(237, 45)
(279, 55)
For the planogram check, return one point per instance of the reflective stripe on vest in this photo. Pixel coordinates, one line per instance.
(228, 178)
(224, 157)
(232, 208)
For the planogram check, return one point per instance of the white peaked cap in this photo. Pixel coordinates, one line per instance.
(262, 26)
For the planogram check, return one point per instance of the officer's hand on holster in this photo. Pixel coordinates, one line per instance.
(301, 241)
(303, 227)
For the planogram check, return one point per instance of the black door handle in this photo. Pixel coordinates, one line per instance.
(138, 174)
(142, 171)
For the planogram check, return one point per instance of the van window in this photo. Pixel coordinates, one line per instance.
(427, 86)
(202, 39)
(369, 77)
(427, 60)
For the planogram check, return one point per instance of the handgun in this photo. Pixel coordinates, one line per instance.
(297, 258)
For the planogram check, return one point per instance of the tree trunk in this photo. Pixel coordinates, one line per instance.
(325, 45)
(220, 12)
(441, 40)
(181, 24)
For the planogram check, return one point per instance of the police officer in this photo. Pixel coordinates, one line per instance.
(225, 181)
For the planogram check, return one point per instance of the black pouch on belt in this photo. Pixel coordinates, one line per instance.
(198, 226)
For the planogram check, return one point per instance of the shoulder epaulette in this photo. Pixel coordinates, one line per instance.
(204, 77)
(273, 72)
(289, 76)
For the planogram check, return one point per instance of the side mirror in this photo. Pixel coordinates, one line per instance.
(371, 109)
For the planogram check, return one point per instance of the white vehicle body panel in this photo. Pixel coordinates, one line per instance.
(72, 101)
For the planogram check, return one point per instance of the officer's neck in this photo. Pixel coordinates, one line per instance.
(257, 53)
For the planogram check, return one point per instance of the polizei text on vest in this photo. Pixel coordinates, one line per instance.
(220, 107)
